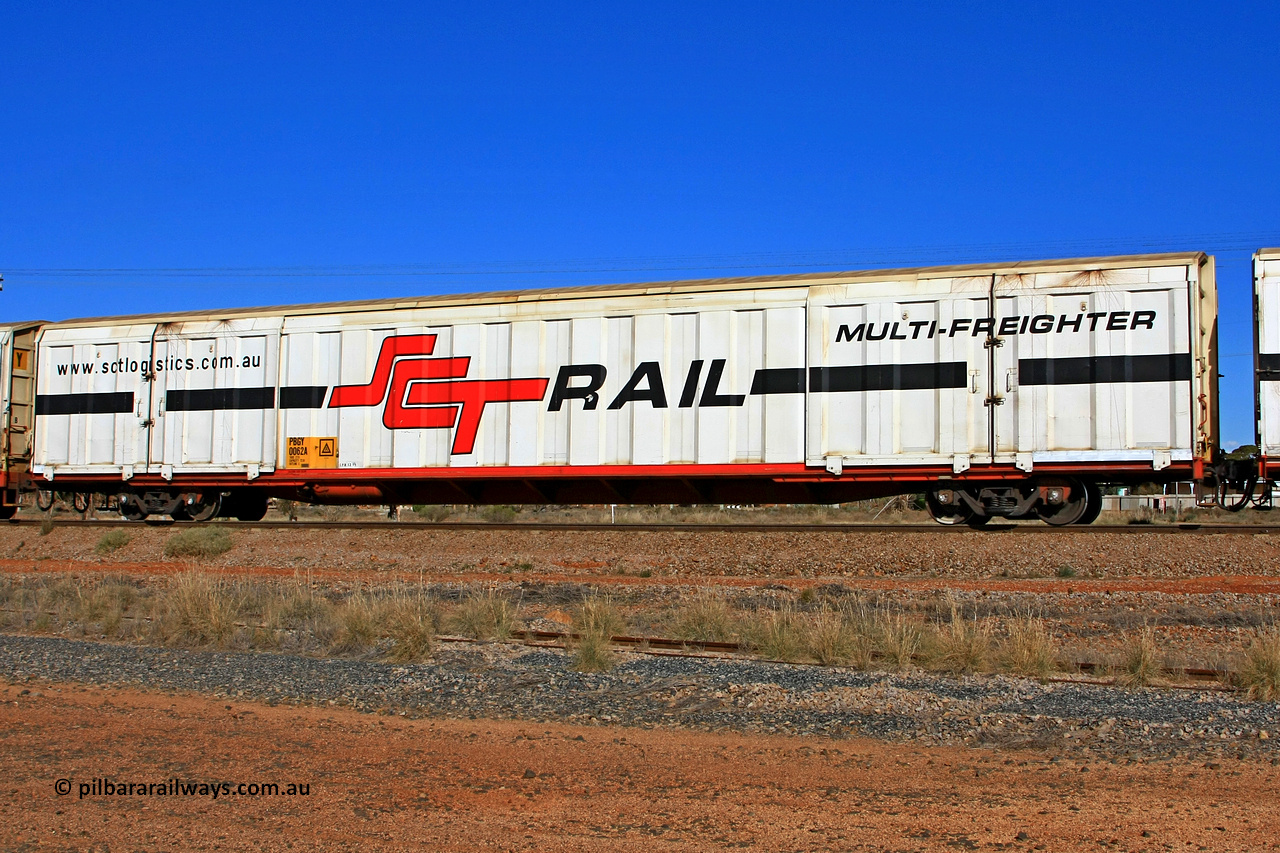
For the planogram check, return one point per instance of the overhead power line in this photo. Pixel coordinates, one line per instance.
(833, 259)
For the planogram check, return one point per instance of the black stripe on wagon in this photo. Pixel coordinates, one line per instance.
(778, 380)
(109, 403)
(303, 396)
(1269, 366)
(1087, 370)
(217, 399)
(888, 377)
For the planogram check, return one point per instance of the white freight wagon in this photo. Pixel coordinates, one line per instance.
(1000, 390)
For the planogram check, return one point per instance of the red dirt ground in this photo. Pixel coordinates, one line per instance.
(386, 783)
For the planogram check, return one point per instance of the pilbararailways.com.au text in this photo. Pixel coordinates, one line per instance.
(111, 788)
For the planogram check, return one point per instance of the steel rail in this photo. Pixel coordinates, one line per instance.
(687, 527)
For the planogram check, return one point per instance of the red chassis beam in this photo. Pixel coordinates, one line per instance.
(686, 483)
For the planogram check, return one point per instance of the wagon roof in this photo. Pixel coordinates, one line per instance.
(707, 285)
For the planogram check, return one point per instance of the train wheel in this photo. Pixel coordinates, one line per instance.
(44, 500)
(1094, 494)
(1071, 511)
(131, 508)
(206, 508)
(954, 511)
(250, 506)
(81, 501)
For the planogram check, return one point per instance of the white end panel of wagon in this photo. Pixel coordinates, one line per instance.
(17, 393)
(92, 401)
(215, 406)
(1266, 294)
(1083, 365)
(1100, 365)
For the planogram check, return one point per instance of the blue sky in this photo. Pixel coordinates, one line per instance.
(230, 154)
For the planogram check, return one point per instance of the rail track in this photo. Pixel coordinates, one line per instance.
(1075, 671)
(1196, 678)
(695, 527)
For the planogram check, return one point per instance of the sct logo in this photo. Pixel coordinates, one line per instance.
(431, 393)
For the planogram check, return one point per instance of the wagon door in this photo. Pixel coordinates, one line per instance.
(216, 397)
(898, 374)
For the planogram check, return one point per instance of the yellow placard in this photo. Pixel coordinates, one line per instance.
(21, 359)
(311, 452)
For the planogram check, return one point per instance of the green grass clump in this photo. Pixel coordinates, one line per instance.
(432, 512)
(111, 541)
(198, 542)
(592, 653)
(499, 514)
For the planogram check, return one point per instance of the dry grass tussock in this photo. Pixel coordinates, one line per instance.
(595, 621)
(776, 635)
(1140, 664)
(839, 637)
(899, 640)
(960, 646)
(96, 606)
(397, 624)
(705, 617)
(486, 615)
(1260, 674)
(1028, 649)
(201, 610)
